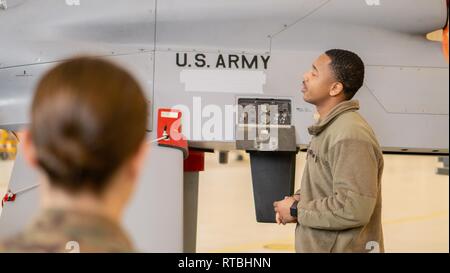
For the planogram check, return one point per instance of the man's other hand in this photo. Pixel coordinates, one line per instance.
(283, 210)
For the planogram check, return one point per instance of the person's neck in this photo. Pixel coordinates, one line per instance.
(325, 108)
(83, 202)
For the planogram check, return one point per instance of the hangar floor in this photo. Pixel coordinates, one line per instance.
(415, 207)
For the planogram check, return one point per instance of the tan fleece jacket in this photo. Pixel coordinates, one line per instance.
(340, 193)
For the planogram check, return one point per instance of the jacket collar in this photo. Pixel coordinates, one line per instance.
(345, 106)
(93, 227)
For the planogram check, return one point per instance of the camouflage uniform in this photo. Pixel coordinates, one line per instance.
(69, 231)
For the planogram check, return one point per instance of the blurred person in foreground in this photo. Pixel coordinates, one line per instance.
(86, 139)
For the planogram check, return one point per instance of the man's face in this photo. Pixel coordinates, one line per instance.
(318, 81)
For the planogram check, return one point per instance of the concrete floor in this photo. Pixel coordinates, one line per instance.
(415, 207)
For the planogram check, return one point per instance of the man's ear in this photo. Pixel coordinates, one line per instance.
(29, 150)
(336, 89)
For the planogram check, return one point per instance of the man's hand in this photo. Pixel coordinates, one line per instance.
(283, 210)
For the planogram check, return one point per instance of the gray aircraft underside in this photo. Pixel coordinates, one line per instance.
(234, 49)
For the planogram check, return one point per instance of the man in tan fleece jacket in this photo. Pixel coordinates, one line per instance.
(338, 206)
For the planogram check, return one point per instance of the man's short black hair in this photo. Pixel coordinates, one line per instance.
(348, 69)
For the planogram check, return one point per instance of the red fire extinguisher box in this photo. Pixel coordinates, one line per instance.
(169, 130)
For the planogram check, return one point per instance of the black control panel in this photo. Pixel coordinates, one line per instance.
(264, 111)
